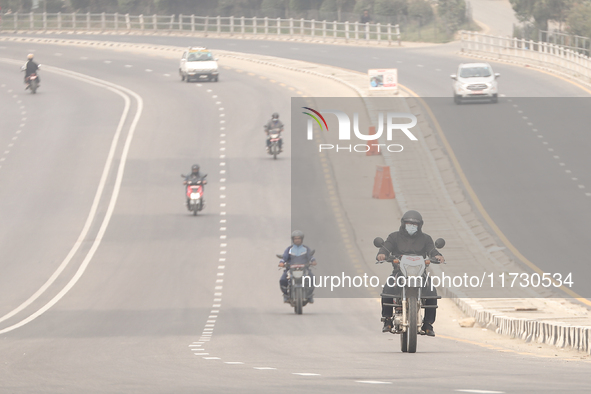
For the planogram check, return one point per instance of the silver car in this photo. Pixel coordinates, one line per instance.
(475, 81)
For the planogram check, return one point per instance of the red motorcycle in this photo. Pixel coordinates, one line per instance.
(194, 193)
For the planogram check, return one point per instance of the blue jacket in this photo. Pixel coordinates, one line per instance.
(287, 256)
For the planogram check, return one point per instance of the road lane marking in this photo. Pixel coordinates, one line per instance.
(264, 368)
(305, 374)
(124, 93)
(479, 391)
(372, 382)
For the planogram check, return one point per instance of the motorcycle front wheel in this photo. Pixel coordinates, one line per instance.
(299, 300)
(412, 329)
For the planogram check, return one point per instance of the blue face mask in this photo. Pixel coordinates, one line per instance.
(411, 228)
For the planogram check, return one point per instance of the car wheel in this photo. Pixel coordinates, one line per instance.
(182, 76)
(216, 78)
(495, 99)
(187, 78)
(457, 99)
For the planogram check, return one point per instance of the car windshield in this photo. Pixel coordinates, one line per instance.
(475, 72)
(200, 57)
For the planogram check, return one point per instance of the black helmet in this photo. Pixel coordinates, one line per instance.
(412, 217)
(297, 233)
(195, 168)
(275, 115)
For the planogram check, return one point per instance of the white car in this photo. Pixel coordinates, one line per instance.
(198, 63)
(475, 81)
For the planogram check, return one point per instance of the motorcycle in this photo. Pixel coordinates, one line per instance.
(274, 141)
(32, 80)
(194, 193)
(410, 304)
(298, 268)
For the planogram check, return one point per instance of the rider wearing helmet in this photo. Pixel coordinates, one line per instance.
(274, 123)
(297, 248)
(194, 176)
(409, 239)
(30, 67)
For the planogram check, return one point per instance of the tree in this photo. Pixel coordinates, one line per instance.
(420, 9)
(453, 12)
(579, 19)
(391, 7)
(541, 11)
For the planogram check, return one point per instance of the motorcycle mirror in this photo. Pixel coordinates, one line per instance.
(440, 243)
(279, 256)
(378, 242)
(312, 252)
(182, 176)
(204, 176)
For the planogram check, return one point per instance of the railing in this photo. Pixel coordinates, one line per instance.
(541, 54)
(324, 31)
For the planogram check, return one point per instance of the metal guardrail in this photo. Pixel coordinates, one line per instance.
(204, 25)
(542, 54)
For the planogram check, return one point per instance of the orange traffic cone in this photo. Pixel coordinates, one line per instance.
(382, 186)
(373, 144)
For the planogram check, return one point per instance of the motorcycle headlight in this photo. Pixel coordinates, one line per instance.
(195, 196)
(297, 274)
(413, 270)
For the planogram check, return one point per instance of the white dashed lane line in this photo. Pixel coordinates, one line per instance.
(305, 374)
(372, 382)
(14, 138)
(556, 157)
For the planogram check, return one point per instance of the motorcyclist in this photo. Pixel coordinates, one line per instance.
(30, 67)
(195, 176)
(409, 239)
(296, 249)
(274, 123)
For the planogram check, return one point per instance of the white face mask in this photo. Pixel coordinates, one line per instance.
(411, 228)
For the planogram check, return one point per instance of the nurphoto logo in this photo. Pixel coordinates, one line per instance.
(392, 124)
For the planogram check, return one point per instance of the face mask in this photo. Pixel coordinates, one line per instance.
(411, 228)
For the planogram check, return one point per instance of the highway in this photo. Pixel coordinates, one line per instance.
(163, 284)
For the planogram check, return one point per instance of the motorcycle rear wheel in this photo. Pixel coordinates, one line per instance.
(34, 86)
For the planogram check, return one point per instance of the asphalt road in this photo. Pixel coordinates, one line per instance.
(163, 284)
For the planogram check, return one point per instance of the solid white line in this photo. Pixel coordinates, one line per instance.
(111, 207)
(93, 208)
(479, 391)
(372, 382)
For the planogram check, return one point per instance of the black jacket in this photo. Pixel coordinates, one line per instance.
(400, 242)
(194, 177)
(30, 67)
